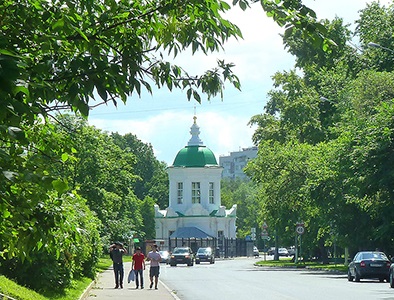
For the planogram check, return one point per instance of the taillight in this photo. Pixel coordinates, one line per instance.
(362, 264)
(388, 264)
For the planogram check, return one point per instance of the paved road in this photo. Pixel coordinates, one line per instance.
(240, 279)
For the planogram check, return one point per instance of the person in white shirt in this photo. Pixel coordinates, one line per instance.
(154, 271)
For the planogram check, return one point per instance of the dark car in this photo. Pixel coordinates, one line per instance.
(165, 256)
(369, 264)
(182, 255)
(205, 255)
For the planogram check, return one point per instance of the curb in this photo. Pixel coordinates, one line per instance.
(85, 293)
(169, 290)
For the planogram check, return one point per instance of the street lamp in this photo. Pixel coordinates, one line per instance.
(374, 45)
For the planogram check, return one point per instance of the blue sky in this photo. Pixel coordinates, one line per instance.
(164, 119)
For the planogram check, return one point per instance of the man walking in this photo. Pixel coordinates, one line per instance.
(154, 258)
(138, 265)
(116, 252)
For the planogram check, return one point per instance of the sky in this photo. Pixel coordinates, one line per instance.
(164, 118)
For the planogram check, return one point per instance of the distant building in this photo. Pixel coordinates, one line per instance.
(234, 163)
(195, 210)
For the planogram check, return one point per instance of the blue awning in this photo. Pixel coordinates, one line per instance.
(190, 232)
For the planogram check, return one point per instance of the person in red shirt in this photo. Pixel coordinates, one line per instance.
(138, 265)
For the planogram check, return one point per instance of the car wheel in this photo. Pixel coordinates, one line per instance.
(391, 280)
(197, 262)
(357, 277)
(173, 265)
(349, 276)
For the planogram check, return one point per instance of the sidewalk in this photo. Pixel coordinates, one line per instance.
(103, 288)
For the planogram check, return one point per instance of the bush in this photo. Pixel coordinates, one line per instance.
(77, 253)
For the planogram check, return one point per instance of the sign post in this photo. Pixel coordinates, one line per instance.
(265, 237)
(300, 229)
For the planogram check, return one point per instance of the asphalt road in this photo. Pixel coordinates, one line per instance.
(239, 279)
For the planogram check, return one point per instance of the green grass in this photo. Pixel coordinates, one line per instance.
(12, 289)
(286, 262)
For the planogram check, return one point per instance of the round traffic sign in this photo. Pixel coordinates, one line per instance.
(300, 229)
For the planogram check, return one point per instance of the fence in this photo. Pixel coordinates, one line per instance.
(224, 247)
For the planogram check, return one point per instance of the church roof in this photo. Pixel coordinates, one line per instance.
(190, 232)
(195, 154)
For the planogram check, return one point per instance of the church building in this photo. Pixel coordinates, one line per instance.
(194, 209)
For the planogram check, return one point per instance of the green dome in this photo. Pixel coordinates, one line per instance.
(195, 156)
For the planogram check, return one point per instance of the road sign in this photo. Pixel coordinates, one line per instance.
(300, 229)
(266, 237)
(253, 230)
(253, 235)
(264, 226)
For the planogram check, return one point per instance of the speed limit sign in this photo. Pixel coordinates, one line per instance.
(300, 229)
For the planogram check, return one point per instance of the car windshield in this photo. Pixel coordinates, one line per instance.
(374, 255)
(180, 250)
(204, 251)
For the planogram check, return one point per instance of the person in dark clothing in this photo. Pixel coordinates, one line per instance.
(117, 251)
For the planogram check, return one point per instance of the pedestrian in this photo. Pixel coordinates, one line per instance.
(116, 252)
(138, 265)
(154, 258)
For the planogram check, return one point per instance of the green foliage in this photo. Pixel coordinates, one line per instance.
(242, 193)
(61, 56)
(325, 143)
(77, 251)
(10, 288)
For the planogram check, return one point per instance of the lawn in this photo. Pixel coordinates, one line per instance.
(286, 262)
(12, 289)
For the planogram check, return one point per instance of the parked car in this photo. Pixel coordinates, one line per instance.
(182, 255)
(205, 255)
(291, 251)
(369, 264)
(256, 252)
(165, 256)
(271, 251)
(283, 252)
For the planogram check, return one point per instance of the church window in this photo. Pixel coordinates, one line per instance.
(180, 193)
(211, 193)
(196, 193)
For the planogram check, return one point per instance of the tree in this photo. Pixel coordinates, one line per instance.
(335, 176)
(152, 178)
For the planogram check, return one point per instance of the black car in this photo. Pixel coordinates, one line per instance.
(205, 255)
(182, 255)
(369, 264)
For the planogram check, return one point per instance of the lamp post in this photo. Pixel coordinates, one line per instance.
(374, 45)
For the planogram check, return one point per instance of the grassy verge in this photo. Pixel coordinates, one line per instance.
(286, 262)
(10, 288)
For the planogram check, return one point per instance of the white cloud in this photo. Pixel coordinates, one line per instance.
(164, 119)
(168, 132)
